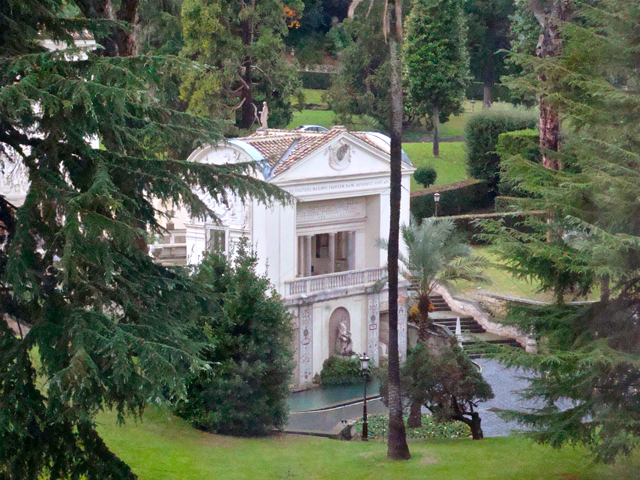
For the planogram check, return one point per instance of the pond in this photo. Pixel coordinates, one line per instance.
(318, 398)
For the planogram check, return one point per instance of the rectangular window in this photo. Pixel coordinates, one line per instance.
(216, 240)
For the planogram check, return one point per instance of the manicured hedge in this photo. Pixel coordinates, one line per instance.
(482, 133)
(522, 142)
(469, 197)
(316, 80)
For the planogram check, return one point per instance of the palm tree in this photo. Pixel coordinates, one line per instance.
(397, 448)
(436, 254)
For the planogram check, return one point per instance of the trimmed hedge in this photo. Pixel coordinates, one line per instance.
(425, 176)
(454, 201)
(521, 142)
(340, 371)
(482, 133)
(316, 80)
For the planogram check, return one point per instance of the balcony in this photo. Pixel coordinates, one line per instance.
(322, 283)
(171, 249)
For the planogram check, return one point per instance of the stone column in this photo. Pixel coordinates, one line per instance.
(299, 258)
(307, 255)
(351, 250)
(332, 252)
(306, 344)
(373, 327)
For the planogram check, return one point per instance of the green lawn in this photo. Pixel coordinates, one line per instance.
(451, 165)
(314, 96)
(165, 448)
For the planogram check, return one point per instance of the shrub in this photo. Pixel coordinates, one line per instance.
(466, 198)
(316, 80)
(247, 338)
(482, 133)
(425, 176)
(340, 371)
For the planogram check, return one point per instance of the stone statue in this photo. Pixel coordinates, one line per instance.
(344, 344)
(264, 116)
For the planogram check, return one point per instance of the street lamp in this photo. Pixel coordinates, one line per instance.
(364, 364)
(436, 198)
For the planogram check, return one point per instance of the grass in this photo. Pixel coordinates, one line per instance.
(451, 165)
(166, 448)
(314, 96)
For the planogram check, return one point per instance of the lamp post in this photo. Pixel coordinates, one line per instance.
(364, 364)
(436, 199)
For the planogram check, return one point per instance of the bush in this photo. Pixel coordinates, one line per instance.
(468, 197)
(247, 338)
(340, 371)
(482, 133)
(522, 142)
(425, 176)
(316, 80)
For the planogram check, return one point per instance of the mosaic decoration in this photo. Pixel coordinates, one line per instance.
(306, 344)
(373, 328)
(402, 330)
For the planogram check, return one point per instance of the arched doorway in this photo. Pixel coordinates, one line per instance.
(340, 341)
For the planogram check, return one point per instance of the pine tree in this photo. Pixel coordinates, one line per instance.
(249, 347)
(437, 63)
(242, 42)
(589, 355)
(101, 326)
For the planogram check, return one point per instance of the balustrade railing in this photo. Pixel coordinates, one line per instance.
(332, 281)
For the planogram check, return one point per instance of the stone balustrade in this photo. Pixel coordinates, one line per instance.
(321, 283)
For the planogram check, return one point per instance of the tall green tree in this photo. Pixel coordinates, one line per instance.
(242, 43)
(488, 35)
(101, 326)
(436, 59)
(249, 347)
(588, 354)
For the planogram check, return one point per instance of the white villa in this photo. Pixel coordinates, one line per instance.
(320, 251)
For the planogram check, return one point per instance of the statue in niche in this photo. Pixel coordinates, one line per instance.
(344, 344)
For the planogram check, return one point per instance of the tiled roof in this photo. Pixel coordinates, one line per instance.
(282, 149)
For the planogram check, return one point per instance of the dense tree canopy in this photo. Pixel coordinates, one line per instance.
(437, 64)
(588, 354)
(249, 347)
(100, 325)
(242, 43)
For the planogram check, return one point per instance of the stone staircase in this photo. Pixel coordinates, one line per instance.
(475, 339)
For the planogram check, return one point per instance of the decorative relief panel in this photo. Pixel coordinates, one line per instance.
(306, 344)
(340, 156)
(327, 210)
(373, 327)
(402, 331)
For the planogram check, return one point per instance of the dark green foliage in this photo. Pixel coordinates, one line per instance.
(425, 176)
(430, 429)
(243, 45)
(436, 61)
(340, 371)
(469, 197)
(102, 326)
(521, 142)
(499, 93)
(447, 383)
(316, 80)
(482, 133)
(249, 339)
(588, 354)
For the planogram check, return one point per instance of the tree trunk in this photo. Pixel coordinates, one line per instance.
(397, 448)
(550, 46)
(415, 415)
(118, 42)
(486, 95)
(424, 307)
(436, 136)
(474, 424)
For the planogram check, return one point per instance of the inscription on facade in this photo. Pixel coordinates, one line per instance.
(355, 185)
(344, 209)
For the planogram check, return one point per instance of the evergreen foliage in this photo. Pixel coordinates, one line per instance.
(436, 61)
(588, 355)
(243, 44)
(425, 176)
(482, 133)
(248, 346)
(340, 371)
(101, 326)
